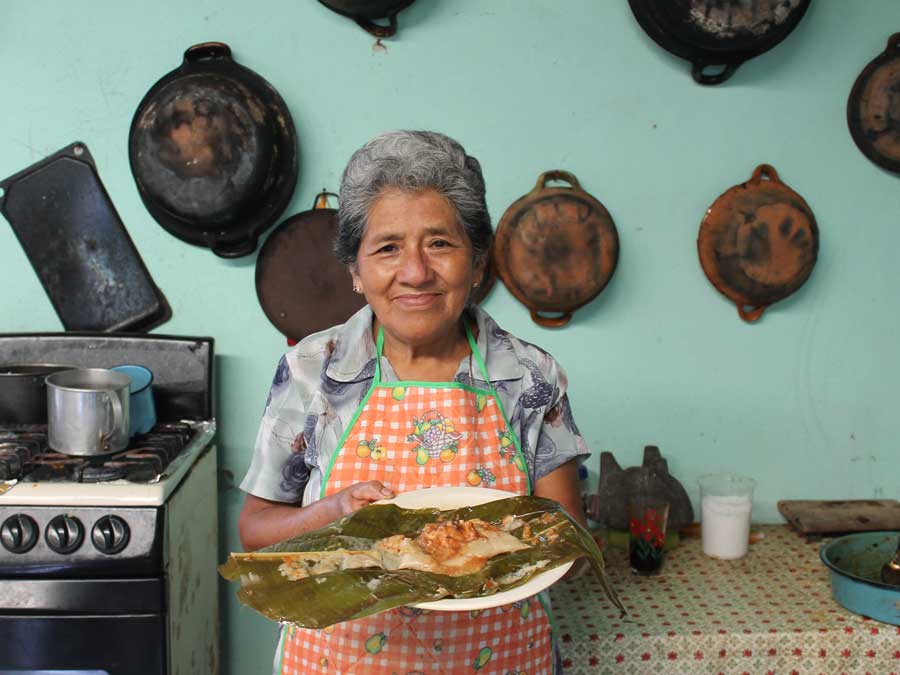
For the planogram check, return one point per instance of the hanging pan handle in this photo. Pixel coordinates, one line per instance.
(551, 321)
(893, 43)
(234, 249)
(557, 174)
(321, 200)
(378, 30)
(206, 51)
(698, 72)
(750, 315)
(764, 171)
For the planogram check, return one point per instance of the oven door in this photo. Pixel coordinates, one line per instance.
(82, 627)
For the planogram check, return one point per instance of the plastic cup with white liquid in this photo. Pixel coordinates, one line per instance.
(726, 501)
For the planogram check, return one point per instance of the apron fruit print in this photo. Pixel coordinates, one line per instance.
(410, 436)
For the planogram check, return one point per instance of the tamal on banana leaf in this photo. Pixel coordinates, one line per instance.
(348, 570)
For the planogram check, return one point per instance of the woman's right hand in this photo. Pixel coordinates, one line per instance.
(353, 498)
(263, 522)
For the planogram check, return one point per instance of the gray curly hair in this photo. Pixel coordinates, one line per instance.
(411, 160)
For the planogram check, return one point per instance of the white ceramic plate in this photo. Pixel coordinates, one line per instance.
(447, 498)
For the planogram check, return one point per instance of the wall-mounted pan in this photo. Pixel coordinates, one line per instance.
(873, 109)
(717, 36)
(214, 152)
(302, 287)
(758, 242)
(556, 248)
(366, 12)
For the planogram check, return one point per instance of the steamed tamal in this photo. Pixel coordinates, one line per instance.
(384, 556)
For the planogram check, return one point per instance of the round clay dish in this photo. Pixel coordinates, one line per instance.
(556, 249)
(758, 242)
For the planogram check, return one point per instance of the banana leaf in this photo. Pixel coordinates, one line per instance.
(321, 600)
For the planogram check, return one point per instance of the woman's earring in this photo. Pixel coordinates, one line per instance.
(356, 289)
(475, 285)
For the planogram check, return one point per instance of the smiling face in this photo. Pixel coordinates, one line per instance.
(416, 266)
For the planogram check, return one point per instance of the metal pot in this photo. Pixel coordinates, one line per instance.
(23, 392)
(88, 411)
(717, 36)
(213, 151)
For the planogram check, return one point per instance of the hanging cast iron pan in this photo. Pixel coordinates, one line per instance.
(364, 12)
(302, 287)
(214, 152)
(556, 249)
(717, 34)
(873, 109)
(758, 242)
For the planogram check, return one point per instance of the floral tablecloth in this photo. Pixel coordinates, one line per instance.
(768, 613)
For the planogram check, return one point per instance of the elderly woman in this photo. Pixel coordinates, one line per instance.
(416, 390)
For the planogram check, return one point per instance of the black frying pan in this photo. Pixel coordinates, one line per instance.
(302, 287)
(364, 12)
(717, 36)
(214, 152)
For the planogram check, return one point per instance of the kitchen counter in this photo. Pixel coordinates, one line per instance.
(770, 612)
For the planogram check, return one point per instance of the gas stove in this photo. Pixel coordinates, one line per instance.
(144, 474)
(110, 561)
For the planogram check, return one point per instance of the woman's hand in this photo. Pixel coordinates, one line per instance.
(263, 522)
(353, 498)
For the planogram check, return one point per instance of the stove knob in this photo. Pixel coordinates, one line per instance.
(64, 534)
(19, 533)
(110, 535)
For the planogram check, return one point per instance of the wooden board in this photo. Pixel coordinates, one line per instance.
(853, 515)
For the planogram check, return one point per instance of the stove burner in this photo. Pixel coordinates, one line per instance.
(24, 454)
(97, 473)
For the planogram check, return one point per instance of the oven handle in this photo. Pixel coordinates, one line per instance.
(84, 596)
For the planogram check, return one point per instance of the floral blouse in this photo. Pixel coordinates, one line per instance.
(321, 381)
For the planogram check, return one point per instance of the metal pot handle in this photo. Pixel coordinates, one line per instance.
(703, 78)
(321, 200)
(557, 174)
(118, 414)
(207, 50)
(234, 249)
(377, 30)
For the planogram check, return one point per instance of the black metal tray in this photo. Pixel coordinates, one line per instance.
(79, 247)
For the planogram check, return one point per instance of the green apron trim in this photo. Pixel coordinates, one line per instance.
(377, 383)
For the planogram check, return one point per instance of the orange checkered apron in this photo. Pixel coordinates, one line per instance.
(409, 436)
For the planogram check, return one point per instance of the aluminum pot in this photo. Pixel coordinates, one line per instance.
(88, 411)
(23, 393)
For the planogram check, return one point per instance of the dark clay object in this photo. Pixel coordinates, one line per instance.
(652, 477)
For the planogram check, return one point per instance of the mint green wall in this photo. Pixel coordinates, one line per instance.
(804, 401)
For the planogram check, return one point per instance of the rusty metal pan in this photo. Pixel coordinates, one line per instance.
(78, 246)
(556, 249)
(213, 152)
(365, 12)
(873, 108)
(302, 287)
(758, 242)
(717, 36)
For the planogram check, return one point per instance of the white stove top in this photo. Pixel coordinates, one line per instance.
(116, 492)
